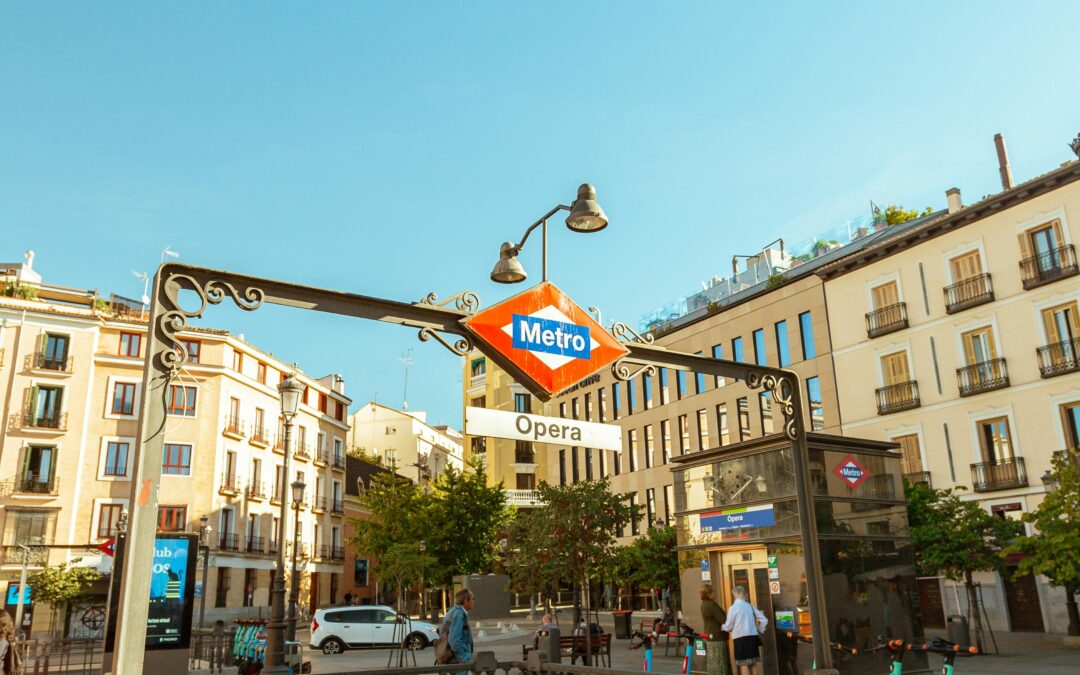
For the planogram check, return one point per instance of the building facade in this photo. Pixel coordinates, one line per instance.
(957, 339)
(404, 440)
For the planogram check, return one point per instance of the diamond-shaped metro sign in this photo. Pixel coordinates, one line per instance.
(851, 472)
(550, 339)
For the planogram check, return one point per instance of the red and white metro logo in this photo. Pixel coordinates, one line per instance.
(552, 340)
(851, 472)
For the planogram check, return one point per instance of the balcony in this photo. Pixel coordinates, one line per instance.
(337, 552)
(337, 507)
(38, 555)
(916, 477)
(275, 498)
(279, 443)
(302, 453)
(984, 376)
(230, 541)
(1045, 268)
(260, 436)
(230, 485)
(886, 320)
(234, 428)
(255, 544)
(1059, 358)
(256, 491)
(324, 552)
(338, 461)
(272, 549)
(1000, 475)
(62, 365)
(318, 504)
(49, 420)
(968, 293)
(322, 456)
(523, 498)
(898, 397)
(477, 380)
(37, 485)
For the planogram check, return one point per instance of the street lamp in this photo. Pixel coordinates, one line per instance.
(294, 582)
(290, 390)
(204, 551)
(585, 216)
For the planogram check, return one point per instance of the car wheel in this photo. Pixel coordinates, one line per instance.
(416, 642)
(332, 645)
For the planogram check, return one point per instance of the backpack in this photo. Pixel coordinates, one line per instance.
(441, 645)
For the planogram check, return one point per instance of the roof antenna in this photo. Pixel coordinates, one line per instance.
(406, 358)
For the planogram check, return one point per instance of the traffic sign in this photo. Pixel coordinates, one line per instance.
(551, 340)
(774, 587)
(851, 472)
(108, 547)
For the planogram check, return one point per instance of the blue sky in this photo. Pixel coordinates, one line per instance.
(388, 148)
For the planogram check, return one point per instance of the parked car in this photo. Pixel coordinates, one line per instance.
(335, 629)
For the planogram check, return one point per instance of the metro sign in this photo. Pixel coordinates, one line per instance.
(547, 336)
(108, 547)
(851, 472)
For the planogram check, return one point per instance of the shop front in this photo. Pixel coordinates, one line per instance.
(738, 525)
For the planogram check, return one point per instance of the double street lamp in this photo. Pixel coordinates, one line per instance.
(290, 391)
(294, 582)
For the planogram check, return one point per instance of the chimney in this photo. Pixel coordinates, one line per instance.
(862, 232)
(734, 264)
(952, 195)
(1003, 162)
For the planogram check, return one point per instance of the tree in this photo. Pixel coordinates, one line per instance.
(470, 518)
(61, 585)
(955, 537)
(1054, 550)
(896, 214)
(655, 563)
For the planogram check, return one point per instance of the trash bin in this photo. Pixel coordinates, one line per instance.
(958, 630)
(622, 623)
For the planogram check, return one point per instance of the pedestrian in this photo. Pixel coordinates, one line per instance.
(666, 599)
(712, 619)
(10, 657)
(745, 623)
(458, 633)
(609, 597)
(348, 598)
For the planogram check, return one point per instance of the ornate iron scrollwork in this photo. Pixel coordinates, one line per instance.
(465, 301)
(622, 370)
(461, 347)
(781, 389)
(624, 333)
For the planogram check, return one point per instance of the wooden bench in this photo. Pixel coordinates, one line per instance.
(573, 647)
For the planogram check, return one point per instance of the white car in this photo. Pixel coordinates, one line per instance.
(335, 629)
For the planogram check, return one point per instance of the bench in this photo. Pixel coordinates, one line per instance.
(573, 646)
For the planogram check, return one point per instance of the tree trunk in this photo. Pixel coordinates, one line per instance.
(973, 608)
(588, 633)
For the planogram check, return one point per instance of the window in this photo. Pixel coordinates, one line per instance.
(646, 390)
(130, 344)
(588, 464)
(562, 410)
(360, 572)
(601, 454)
(631, 448)
(238, 361)
(562, 467)
(575, 413)
(759, 347)
(615, 402)
(722, 424)
(894, 367)
(31, 527)
(699, 379)
(322, 403)
(743, 405)
(680, 384)
(783, 350)
(635, 520)
(650, 507)
(718, 353)
(123, 402)
(665, 441)
(172, 518)
(182, 401)
(911, 457)
(813, 399)
(108, 516)
(765, 398)
(193, 349)
(38, 469)
(478, 367)
(996, 440)
(575, 475)
(1062, 325)
(525, 481)
(885, 295)
(177, 460)
(966, 266)
(116, 456)
(390, 431)
(806, 335)
(684, 435)
(279, 487)
(601, 403)
(631, 397)
(669, 503)
(48, 407)
(737, 351)
(1070, 418)
(665, 395)
(703, 430)
(649, 448)
(616, 463)
(339, 411)
(522, 403)
(55, 350)
(588, 407)
(979, 346)
(259, 431)
(1044, 243)
(260, 372)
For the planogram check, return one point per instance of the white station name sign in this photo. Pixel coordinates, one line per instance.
(556, 430)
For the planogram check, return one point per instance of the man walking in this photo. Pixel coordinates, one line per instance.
(458, 634)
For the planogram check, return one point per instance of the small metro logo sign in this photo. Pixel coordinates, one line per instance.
(851, 472)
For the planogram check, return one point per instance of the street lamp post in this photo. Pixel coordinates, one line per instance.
(294, 581)
(290, 390)
(204, 551)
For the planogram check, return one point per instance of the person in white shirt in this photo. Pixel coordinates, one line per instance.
(745, 623)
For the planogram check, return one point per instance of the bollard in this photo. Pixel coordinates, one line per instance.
(550, 644)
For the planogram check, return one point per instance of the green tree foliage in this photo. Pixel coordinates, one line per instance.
(470, 516)
(651, 561)
(60, 585)
(896, 214)
(1054, 550)
(955, 538)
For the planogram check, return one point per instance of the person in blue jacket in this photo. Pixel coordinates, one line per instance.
(458, 633)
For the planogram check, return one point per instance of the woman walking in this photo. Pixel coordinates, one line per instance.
(745, 623)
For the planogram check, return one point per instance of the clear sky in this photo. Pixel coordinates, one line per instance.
(388, 148)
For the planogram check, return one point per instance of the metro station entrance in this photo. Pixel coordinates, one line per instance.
(747, 567)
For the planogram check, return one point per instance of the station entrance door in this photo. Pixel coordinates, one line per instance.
(746, 566)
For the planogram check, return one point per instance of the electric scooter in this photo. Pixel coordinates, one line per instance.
(949, 650)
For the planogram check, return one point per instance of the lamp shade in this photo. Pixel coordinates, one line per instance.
(290, 390)
(508, 270)
(585, 213)
(298, 491)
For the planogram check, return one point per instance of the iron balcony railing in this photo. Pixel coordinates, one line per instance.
(322, 456)
(969, 293)
(279, 443)
(230, 541)
(234, 426)
(260, 436)
(318, 503)
(916, 477)
(337, 553)
(255, 544)
(302, 452)
(1048, 267)
(37, 484)
(58, 364)
(230, 483)
(983, 376)
(272, 548)
(897, 397)
(276, 495)
(1059, 358)
(338, 461)
(324, 551)
(336, 506)
(46, 420)
(256, 490)
(886, 320)
(1000, 475)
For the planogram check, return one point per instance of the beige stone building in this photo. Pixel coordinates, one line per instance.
(403, 439)
(71, 374)
(957, 339)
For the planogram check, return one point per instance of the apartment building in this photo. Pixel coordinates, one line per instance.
(72, 379)
(957, 338)
(360, 581)
(404, 440)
